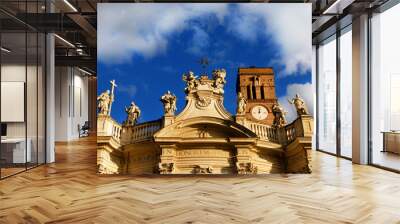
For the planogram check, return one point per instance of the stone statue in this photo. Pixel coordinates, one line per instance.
(203, 169)
(219, 79)
(169, 101)
(279, 114)
(299, 104)
(133, 113)
(166, 168)
(191, 81)
(103, 103)
(241, 104)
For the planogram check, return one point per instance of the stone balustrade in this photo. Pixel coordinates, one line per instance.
(106, 126)
(263, 131)
(145, 131)
(301, 127)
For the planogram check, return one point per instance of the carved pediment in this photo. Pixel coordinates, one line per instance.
(205, 127)
(204, 97)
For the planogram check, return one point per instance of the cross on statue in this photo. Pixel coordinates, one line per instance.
(113, 85)
(204, 62)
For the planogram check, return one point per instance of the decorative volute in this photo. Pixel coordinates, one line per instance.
(204, 96)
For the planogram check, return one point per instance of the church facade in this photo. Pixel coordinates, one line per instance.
(204, 138)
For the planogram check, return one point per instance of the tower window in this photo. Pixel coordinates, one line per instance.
(248, 92)
(262, 92)
(254, 92)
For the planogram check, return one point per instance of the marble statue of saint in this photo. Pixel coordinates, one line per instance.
(133, 113)
(241, 104)
(299, 104)
(279, 114)
(191, 81)
(169, 101)
(219, 79)
(103, 102)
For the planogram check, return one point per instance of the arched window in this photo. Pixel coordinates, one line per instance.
(262, 92)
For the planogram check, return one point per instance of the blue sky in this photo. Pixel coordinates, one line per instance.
(147, 47)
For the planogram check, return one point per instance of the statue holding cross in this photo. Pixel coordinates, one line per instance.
(105, 100)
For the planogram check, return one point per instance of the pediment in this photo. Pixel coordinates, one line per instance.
(205, 127)
(204, 103)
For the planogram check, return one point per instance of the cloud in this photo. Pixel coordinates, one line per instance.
(290, 27)
(200, 41)
(305, 91)
(144, 29)
(245, 26)
(127, 30)
(130, 90)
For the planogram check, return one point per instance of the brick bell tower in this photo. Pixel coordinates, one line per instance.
(258, 86)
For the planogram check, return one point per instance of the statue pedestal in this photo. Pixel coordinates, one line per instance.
(168, 120)
(240, 119)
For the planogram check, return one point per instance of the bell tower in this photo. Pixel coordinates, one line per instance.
(257, 85)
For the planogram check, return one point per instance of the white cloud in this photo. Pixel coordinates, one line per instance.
(290, 27)
(200, 41)
(130, 90)
(305, 91)
(143, 29)
(246, 26)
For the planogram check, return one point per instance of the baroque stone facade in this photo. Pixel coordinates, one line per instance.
(204, 138)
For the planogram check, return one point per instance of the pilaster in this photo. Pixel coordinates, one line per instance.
(243, 160)
(167, 159)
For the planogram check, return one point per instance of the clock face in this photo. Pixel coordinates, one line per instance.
(259, 112)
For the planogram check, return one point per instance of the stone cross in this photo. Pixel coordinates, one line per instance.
(204, 62)
(113, 85)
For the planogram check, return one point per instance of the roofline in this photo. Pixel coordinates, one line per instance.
(255, 67)
(273, 72)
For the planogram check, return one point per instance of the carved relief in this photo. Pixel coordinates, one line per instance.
(203, 102)
(167, 151)
(101, 169)
(203, 132)
(246, 168)
(201, 169)
(166, 168)
(203, 152)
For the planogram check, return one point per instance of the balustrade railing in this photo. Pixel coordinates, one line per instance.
(283, 135)
(145, 131)
(116, 131)
(265, 132)
(106, 126)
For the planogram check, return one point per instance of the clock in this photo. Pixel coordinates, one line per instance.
(259, 112)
